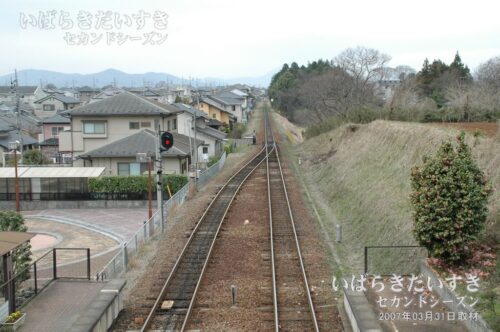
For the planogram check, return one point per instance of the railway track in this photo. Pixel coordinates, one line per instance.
(174, 303)
(293, 306)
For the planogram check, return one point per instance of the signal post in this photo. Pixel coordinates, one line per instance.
(164, 142)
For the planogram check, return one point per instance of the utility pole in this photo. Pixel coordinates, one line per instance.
(195, 143)
(150, 194)
(14, 146)
(159, 187)
(15, 86)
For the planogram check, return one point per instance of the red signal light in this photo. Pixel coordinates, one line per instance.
(167, 140)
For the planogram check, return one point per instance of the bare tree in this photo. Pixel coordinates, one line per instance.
(333, 92)
(488, 73)
(364, 64)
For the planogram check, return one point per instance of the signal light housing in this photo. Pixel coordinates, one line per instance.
(167, 141)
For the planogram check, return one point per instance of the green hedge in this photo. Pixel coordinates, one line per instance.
(134, 184)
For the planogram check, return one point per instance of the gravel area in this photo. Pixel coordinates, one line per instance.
(157, 258)
(241, 258)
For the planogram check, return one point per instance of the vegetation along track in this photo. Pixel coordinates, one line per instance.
(293, 305)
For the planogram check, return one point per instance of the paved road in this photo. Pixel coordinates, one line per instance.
(120, 223)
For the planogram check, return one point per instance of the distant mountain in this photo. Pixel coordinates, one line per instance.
(113, 76)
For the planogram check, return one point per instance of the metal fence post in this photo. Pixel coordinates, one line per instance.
(125, 257)
(88, 263)
(35, 277)
(366, 260)
(54, 263)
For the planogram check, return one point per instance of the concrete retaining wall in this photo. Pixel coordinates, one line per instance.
(94, 204)
(446, 294)
(100, 314)
(360, 312)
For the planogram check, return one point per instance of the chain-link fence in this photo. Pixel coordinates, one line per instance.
(209, 173)
(119, 263)
(389, 260)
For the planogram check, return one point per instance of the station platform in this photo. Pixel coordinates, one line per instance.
(74, 305)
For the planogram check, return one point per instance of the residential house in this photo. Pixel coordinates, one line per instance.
(147, 93)
(49, 138)
(28, 122)
(120, 157)
(8, 134)
(27, 94)
(110, 91)
(87, 93)
(55, 103)
(181, 121)
(70, 92)
(215, 109)
(236, 102)
(95, 128)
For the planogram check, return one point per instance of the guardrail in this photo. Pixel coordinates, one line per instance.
(57, 263)
(119, 263)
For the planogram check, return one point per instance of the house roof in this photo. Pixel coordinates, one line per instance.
(212, 102)
(23, 89)
(214, 122)
(5, 126)
(228, 98)
(52, 172)
(12, 136)
(125, 103)
(29, 122)
(212, 132)
(230, 95)
(191, 110)
(108, 92)
(143, 141)
(144, 92)
(8, 105)
(53, 141)
(58, 118)
(11, 240)
(61, 97)
(87, 89)
(239, 93)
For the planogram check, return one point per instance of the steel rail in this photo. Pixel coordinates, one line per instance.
(191, 304)
(273, 267)
(297, 245)
(164, 289)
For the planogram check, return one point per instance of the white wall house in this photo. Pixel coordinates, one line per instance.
(110, 133)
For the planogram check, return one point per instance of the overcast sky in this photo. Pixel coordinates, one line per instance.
(228, 38)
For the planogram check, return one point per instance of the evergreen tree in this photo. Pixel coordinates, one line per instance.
(449, 197)
(460, 69)
(34, 157)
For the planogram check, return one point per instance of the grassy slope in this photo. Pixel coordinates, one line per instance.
(360, 175)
